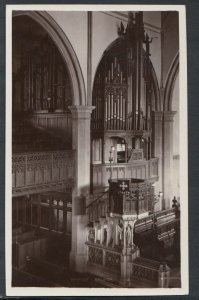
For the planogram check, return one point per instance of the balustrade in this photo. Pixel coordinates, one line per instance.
(151, 272)
(142, 270)
(42, 170)
(139, 169)
(111, 259)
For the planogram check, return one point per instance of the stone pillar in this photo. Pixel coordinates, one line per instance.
(81, 116)
(158, 151)
(167, 158)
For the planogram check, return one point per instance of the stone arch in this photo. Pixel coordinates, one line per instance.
(65, 49)
(170, 82)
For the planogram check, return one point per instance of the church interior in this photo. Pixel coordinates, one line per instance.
(95, 149)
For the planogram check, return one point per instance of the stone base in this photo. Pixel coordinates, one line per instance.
(78, 255)
(77, 262)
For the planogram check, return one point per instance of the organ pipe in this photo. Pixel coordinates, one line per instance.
(124, 70)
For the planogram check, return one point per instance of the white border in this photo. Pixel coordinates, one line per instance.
(29, 291)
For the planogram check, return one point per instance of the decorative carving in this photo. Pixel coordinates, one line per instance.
(40, 161)
(112, 261)
(91, 235)
(128, 235)
(142, 272)
(18, 163)
(95, 255)
(120, 232)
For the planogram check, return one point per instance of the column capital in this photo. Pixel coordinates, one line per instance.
(81, 111)
(168, 115)
(158, 115)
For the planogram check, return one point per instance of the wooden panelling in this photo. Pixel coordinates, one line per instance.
(57, 123)
(142, 170)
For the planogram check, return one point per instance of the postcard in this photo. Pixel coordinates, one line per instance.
(96, 150)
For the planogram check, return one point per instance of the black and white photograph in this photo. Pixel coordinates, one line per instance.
(96, 150)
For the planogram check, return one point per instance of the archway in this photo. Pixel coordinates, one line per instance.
(55, 210)
(170, 82)
(66, 50)
(155, 85)
(170, 161)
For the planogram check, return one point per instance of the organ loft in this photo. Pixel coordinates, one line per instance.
(92, 186)
(124, 99)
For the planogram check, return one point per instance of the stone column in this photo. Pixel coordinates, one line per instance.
(157, 129)
(81, 116)
(167, 158)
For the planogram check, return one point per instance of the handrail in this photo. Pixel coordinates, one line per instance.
(100, 246)
(114, 164)
(97, 199)
(149, 219)
(42, 152)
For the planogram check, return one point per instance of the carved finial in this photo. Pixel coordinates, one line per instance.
(121, 29)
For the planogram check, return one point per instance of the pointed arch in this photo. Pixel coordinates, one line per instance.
(170, 82)
(155, 84)
(65, 49)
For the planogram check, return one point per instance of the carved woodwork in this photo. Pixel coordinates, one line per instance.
(42, 171)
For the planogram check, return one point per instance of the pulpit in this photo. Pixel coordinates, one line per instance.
(131, 197)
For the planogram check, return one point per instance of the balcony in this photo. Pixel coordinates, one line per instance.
(42, 171)
(145, 169)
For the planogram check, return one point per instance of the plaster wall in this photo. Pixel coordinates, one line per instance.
(170, 41)
(74, 25)
(176, 157)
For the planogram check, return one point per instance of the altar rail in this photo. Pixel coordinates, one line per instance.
(33, 172)
(146, 169)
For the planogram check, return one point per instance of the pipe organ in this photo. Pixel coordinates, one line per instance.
(40, 79)
(123, 93)
(123, 83)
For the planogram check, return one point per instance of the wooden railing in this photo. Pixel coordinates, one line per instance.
(42, 171)
(162, 217)
(150, 272)
(146, 169)
(103, 256)
(162, 226)
(143, 272)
